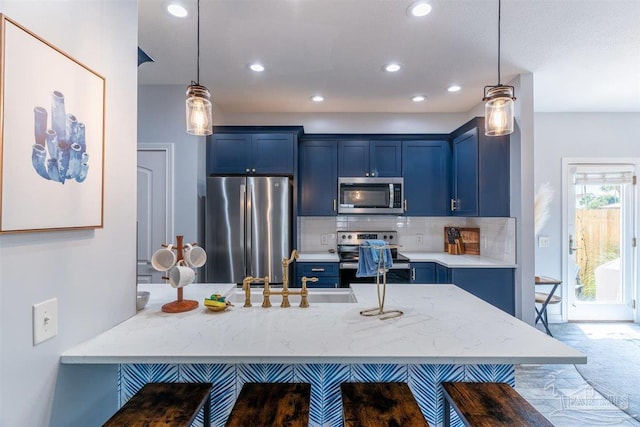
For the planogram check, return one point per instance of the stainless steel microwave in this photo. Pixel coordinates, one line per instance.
(370, 195)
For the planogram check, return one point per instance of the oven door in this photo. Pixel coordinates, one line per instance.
(399, 273)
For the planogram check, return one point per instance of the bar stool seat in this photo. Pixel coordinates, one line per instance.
(271, 405)
(165, 405)
(380, 404)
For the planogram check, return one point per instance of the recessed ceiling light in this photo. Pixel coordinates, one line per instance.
(177, 10)
(419, 9)
(418, 98)
(454, 88)
(258, 68)
(317, 98)
(392, 68)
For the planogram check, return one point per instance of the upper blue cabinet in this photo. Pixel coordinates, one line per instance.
(425, 168)
(375, 158)
(318, 178)
(480, 172)
(251, 153)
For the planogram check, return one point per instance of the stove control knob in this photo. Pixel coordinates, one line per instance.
(384, 237)
(390, 237)
(344, 236)
(349, 236)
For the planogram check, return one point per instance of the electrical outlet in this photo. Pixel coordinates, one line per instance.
(45, 320)
(420, 239)
(543, 241)
(324, 239)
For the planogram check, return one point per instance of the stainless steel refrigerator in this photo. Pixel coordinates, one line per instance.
(247, 227)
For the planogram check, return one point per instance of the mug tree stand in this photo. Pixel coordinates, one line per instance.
(180, 305)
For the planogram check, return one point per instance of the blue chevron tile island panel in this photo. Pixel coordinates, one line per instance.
(490, 374)
(134, 376)
(424, 382)
(326, 405)
(325, 409)
(379, 373)
(223, 393)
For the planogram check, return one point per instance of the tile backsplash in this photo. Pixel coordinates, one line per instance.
(415, 234)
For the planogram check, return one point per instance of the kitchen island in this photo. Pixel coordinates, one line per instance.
(445, 334)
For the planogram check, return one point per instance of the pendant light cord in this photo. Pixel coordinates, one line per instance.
(198, 44)
(499, 19)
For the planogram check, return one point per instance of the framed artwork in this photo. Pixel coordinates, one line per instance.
(52, 111)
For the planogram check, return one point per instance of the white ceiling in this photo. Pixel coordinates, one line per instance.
(584, 54)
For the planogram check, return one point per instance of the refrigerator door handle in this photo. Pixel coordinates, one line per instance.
(249, 228)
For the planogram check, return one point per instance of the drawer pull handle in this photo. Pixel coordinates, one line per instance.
(317, 269)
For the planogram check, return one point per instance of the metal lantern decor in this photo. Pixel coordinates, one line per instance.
(498, 99)
(198, 103)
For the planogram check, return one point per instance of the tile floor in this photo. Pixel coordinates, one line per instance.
(561, 394)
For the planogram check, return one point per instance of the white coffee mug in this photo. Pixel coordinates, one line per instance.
(195, 256)
(163, 259)
(180, 275)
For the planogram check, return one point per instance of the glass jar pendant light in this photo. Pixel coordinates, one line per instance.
(198, 103)
(499, 100)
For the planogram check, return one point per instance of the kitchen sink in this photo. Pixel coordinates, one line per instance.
(316, 296)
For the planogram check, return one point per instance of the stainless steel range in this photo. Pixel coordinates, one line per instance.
(348, 244)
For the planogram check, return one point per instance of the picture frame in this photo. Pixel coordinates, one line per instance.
(52, 131)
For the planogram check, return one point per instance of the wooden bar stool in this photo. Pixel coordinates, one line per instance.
(380, 404)
(489, 405)
(271, 405)
(165, 405)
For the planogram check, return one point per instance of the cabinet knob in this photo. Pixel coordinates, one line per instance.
(366, 174)
(373, 174)
(247, 170)
(253, 170)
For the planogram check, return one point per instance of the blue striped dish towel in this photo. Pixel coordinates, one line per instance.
(369, 255)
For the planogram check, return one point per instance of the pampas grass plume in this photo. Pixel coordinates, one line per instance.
(541, 206)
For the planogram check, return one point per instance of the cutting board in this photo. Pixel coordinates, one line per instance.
(470, 240)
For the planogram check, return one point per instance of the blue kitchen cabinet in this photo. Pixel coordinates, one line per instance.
(318, 178)
(423, 272)
(480, 172)
(494, 285)
(442, 274)
(247, 153)
(364, 158)
(465, 174)
(425, 168)
(327, 273)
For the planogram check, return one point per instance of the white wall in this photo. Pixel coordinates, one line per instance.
(575, 135)
(92, 273)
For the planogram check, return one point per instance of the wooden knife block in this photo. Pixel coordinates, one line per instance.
(469, 241)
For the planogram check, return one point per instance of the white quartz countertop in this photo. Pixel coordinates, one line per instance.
(318, 257)
(441, 324)
(457, 261)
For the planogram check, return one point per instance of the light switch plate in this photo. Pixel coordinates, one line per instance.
(45, 320)
(543, 241)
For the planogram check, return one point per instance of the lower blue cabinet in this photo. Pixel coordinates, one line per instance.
(494, 285)
(423, 272)
(327, 273)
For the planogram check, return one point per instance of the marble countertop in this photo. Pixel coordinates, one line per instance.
(457, 261)
(441, 324)
(318, 257)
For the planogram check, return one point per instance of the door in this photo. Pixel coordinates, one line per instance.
(268, 226)
(318, 178)
(225, 229)
(155, 221)
(600, 241)
(426, 177)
